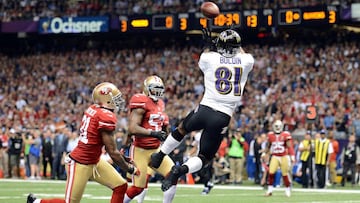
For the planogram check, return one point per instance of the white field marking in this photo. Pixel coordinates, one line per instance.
(35, 189)
(33, 181)
(325, 191)
(159, 198)
(11, 197)
(221, 187)
(148, 198)
(340, 201)
(229, 187)
(57, 195)
(99, 197)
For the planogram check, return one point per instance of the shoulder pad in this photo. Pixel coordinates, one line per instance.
(138, 101)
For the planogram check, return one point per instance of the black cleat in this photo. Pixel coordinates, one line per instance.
(156, 159)
(210, 185)
(171, 179)
(31, 198)
(207, 189)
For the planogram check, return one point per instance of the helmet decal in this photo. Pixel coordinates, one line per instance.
(105, 90)
(108, 95)
(228, 43)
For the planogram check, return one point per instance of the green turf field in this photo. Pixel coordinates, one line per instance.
(15, 191)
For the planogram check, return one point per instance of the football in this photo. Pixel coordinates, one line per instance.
(209, 9)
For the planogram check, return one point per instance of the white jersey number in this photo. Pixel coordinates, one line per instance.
(224, 78)
(278, 147)
(156, 120)
(83, 129)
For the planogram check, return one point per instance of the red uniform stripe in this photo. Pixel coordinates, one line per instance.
(70, 182)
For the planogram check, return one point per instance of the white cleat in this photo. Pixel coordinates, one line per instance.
(268, 194)
(287, 192)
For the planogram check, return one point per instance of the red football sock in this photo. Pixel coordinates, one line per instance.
(286, 181)
(119, 193)
(271, 179)
(147, 180)
(133, 191)
(52, 201)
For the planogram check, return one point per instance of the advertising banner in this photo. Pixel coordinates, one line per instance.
(19, 26)
(73, 25)
(355, 11)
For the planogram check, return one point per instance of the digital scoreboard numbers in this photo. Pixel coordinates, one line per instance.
(163, 22)
(147, 23)
(258, 19)
(289, 16)
(267, 19)
(183, 20)
(246, 20)
(198, 21)
(308, 16)
(333, 17)
(222, 21)
(227, 20)
(251, 18)
(123, 23)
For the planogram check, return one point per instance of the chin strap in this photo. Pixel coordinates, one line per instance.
(154, 98)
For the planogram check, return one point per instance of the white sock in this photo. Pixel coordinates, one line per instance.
(194, 164)
(356, 178)
(37, 201)
(141, 196)
(169, 144)
(169, 194)
(127, 199)
(270, 188)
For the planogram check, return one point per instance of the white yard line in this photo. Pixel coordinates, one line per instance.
(217, 187)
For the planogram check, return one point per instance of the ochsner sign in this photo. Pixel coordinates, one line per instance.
(74, 25)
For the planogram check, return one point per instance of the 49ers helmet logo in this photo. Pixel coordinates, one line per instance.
(105, 90)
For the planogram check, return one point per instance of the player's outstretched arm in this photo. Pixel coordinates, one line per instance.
(209, 44)
(116, 156)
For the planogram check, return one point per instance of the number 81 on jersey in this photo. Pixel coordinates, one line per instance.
(225, 83)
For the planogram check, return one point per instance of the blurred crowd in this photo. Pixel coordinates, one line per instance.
(43, 95)
(34, 9)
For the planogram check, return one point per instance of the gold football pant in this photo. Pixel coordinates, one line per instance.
(142, 158)
(79, 174)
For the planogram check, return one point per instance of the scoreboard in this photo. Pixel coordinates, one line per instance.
(243, 20)
(310, 16)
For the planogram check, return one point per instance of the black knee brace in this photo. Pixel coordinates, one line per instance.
(204, 160)
(177, 135)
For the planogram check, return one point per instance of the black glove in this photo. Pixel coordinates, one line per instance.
(133, 170)
(161, 135)
(208, 41)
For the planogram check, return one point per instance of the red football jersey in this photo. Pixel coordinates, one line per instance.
(278, 143)
(90, 143)
(153, 119)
